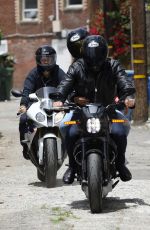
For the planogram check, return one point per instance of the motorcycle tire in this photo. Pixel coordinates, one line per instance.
(40, 176)
(94, 174)
(50, 152)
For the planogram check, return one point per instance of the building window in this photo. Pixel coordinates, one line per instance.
(29, 10)
(74, 4)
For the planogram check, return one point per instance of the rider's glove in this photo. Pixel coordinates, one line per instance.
(22, 109)
(81, 101)
(57, 104)
(129, 102)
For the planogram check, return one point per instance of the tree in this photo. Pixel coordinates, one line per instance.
(114, 24)
(139, 60)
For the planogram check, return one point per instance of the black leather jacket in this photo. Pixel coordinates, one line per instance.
(35, 80)
(100, 87)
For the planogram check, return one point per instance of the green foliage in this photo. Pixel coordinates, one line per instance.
(97, 23)
(119, 28)
(60, 215)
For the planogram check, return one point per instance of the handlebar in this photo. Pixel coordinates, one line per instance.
(61, 108)
(118, 105)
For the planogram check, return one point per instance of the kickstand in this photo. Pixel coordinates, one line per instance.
(114, 185)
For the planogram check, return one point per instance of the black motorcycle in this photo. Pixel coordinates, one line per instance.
(95, 152)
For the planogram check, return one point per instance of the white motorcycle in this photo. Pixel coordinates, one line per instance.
(45, 147)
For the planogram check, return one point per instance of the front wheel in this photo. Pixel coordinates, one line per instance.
(94, 173)
(50, 152)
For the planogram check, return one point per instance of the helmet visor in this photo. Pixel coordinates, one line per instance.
(46, 60)
(95, 56)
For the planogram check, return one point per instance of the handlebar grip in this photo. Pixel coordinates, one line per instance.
(61, 108)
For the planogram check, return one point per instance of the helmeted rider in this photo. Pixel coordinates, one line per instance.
(97, 78)
(75, 40)
(46, 73)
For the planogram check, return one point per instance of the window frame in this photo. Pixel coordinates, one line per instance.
(24, 10)
(69, 6)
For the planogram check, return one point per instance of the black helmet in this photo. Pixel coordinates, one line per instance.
(45, 57)
(74, 41)
(95, 51)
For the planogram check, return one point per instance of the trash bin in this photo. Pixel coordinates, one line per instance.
(148, 88)
(6, 74)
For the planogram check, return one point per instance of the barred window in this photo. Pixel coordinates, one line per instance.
(29, 10)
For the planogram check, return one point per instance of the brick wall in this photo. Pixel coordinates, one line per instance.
(24, 38)
(7, 17)
(24, 50)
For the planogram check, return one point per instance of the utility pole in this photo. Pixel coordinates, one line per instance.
(138, 20)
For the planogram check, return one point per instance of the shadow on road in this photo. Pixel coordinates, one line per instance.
(59, 183)
(80, 204)
(111, 204)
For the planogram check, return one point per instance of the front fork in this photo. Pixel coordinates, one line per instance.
(84, 173)
(106, 171)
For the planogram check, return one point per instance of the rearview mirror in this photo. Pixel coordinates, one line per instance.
(16, 92)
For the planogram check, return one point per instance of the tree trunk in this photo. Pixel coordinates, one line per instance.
(139, 60)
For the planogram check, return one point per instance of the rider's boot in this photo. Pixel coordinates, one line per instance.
(124, 173)
(69, 175)
(121, 142)
(25, 152)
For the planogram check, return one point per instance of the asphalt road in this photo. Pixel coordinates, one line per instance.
(26, 204)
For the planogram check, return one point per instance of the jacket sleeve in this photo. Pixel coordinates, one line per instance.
(66, 85)
(29, 87)
(125, 84)
(61, 75)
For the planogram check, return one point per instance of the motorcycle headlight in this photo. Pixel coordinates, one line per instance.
(58, 117)
(40, 117)
(93, 125)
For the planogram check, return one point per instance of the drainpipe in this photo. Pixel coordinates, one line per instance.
(57, 10)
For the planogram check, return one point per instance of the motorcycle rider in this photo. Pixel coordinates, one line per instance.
(97, 78)
(75, 40)
(46, 73)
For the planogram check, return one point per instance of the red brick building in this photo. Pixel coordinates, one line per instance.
(27, 24)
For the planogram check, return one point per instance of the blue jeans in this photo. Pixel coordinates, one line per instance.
(119, 133)
(63, 127)
(24, 126)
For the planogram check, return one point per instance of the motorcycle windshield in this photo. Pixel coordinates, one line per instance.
(45, 92)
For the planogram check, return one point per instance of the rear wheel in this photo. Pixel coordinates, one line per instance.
(94, 173)
(50, 151)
